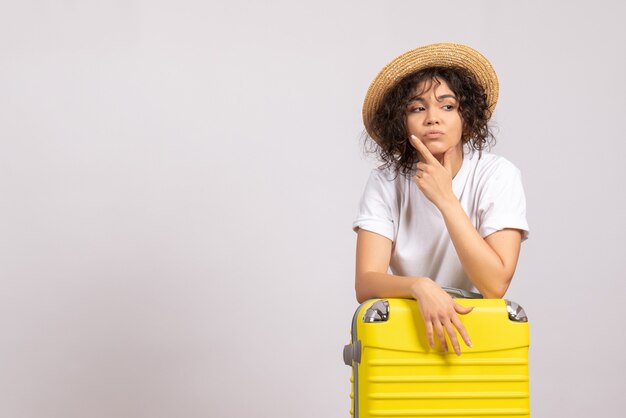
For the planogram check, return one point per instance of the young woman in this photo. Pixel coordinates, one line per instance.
(440, 211)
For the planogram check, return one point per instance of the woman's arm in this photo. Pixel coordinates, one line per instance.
(373, 253)
(439, 311)
(488, 262)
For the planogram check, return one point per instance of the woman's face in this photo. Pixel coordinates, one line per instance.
(433, 116)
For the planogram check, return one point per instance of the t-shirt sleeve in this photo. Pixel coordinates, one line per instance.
(503, 202)
(375, 208)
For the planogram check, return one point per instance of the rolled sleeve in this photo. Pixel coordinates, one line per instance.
(375, 212)
(503, 203)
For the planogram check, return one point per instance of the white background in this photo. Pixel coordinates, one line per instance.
(178, 181)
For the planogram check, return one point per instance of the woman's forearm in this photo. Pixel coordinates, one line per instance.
(485, 268)
(373, 284)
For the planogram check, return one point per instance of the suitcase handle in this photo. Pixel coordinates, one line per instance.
(352, 353)
(515, 311)
(460, 293)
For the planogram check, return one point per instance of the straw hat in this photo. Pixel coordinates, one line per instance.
(434, 55)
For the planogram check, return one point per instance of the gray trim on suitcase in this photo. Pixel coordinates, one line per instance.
(460, 293)
(354, 364)
(378, 312)
(516, 312)
(352, 353)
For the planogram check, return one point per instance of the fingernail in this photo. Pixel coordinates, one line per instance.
(470, 344)
(413, 136)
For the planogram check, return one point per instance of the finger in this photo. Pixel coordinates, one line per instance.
(441, 335)
(462, 331)
(453, 339)
(429, 334)
(421, 148)
(419, 182)
(421, 169)
(463, 310)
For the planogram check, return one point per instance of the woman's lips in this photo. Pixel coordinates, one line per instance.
(433, 134)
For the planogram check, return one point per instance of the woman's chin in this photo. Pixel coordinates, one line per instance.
(437, 152)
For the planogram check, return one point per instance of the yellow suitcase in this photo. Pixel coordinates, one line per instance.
(396, 374)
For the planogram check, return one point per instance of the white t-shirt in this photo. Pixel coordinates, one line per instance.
(490, 191)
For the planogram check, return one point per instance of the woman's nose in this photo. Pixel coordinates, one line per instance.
(431, 118)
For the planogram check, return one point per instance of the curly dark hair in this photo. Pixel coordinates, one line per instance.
(389, 122)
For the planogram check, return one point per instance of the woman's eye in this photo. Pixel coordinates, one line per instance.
(448, 107)
(417, 109)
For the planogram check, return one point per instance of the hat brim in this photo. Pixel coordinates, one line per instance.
(434, 55)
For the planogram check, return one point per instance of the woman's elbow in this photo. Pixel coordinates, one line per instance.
(497, 289)
(361, 291)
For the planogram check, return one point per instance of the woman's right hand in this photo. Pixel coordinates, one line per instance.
(440, 311)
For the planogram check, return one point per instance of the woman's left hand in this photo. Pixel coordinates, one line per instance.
(433, 178)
